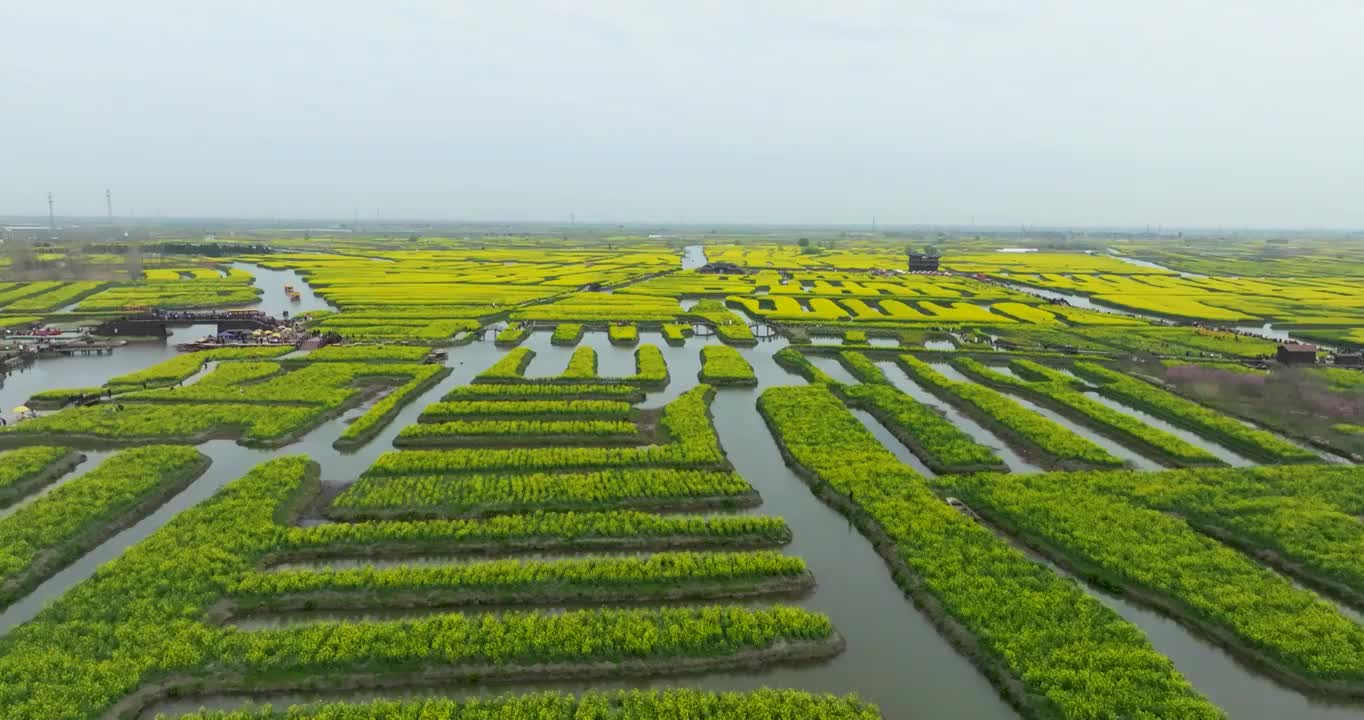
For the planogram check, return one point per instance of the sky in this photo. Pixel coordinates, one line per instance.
(1221, 113)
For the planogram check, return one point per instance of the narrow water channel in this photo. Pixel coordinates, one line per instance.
(892, 443)
(274, 300)
(92, 370)
(833, 368)
(1239, 690)
(93, 458)
(894, 657)
(1223, 454)
(1151, 265)
(975, 430)
(1114, 448)
(231, 461)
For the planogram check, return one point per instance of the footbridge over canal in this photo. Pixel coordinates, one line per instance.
(156, 323)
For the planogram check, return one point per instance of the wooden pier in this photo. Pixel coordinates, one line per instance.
(74, 349)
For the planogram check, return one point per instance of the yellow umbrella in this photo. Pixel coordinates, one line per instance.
(21, 410)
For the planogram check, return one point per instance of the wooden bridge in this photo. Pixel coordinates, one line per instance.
(155, 323)
(763, 331)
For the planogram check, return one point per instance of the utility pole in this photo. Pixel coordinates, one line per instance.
(51, 215)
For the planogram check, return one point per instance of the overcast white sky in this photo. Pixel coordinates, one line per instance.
(1133, 112)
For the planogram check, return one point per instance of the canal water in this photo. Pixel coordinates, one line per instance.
(1151, 266)
(901, 380)
(894, 656)
(95, 370)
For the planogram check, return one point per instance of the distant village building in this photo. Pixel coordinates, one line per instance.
(720, 268)
(1297, 354)
(1349, 359)
(919, 262)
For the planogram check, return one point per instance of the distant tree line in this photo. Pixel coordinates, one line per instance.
(188, 248)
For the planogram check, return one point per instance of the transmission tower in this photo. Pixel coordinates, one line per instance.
(109, 205)
(51, 215)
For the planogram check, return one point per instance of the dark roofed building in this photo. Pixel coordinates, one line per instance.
(1297, 354)
(1349, 359)
(919, 262)
(720, 268)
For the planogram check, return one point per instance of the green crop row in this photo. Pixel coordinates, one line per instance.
(862, 368)
(1306, 515)
(173, 295)
(539, 491)
(382, 412)
(165, 422)
(582, 365)
(692, 443)
(730, 327)
(1195, 417)
(518, 639)
(512, 335)
(1106, 419)
(1069, 653)
(567, 334)
(329, 383)
(367, 353)
(230, 374)
(519, 432)
(676, 333)
(181, 367)
(59, 526)
(511, 366)
(592, 409)
(723, 365)
(55, 298)
(1121, 543)
(21, 470)
(140, 619)
(795, 361)
(9, 292)
(538, 529)
(670, 704)
(1057, 441)
(56, 397)
(623, 334)
(434, 332)
(538, 391)
(650, 368)
(1030, 370)
(665, 570)
(940, 444)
